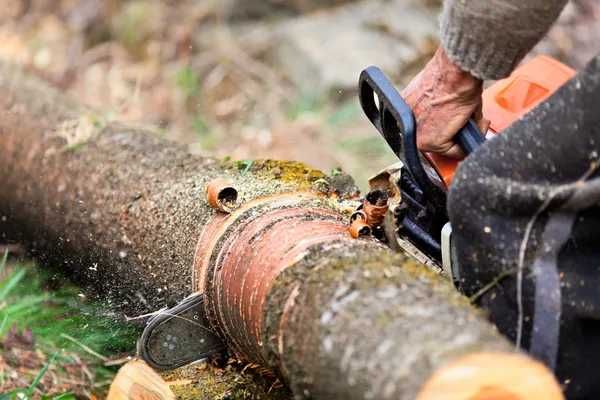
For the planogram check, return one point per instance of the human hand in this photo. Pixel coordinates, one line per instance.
(443, 98)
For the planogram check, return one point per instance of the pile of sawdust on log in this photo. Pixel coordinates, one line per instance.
(234, 381)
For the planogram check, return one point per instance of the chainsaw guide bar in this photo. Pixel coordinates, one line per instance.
(178, 336)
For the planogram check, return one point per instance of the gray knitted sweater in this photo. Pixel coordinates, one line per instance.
(489, 37)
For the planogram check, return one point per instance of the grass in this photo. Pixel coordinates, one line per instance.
(206, 137)
(346, 113)
(68, 332)
(29, 391)
(305, 103)
(366, 147)
(244, 166)
(188, 82)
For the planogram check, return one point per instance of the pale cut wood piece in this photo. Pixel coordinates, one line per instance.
(492, 376)
(137, 381)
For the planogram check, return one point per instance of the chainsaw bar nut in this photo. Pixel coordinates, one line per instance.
(222, 195)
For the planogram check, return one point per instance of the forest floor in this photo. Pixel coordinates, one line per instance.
(54, 342)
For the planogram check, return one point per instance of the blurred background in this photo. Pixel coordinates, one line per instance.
(246, 78)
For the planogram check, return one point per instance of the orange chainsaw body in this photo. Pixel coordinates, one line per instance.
(509, 99)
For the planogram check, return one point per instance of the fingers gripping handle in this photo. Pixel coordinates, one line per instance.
(393, 118)
(469, 137)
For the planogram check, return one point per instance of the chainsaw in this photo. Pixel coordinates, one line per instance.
(416, 220)
(415, 190)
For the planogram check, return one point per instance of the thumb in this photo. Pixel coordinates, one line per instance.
(482, 123)
(454, 152)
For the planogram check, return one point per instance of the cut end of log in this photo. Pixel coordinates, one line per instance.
(492, 376)
(137, 381)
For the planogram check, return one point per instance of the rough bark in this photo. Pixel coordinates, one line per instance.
(122, 210)
(119, 207)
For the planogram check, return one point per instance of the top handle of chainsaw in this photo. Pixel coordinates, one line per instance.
(394, 119)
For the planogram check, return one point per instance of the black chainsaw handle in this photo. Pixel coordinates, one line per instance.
(390, 114)
(394, 119)
(469, 137)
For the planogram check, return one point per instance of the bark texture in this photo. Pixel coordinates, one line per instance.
(123, 210)
(116, 205)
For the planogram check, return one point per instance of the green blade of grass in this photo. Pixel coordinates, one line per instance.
(27, 305)
(64, 396)
(4, 259)
(84, 347)
(3, 324)
(11, 283)
(13, 395)
(41, 374)
(247, 167)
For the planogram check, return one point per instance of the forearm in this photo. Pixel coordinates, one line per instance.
(489, 37)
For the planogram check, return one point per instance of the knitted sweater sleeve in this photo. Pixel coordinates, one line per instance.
(489, 37)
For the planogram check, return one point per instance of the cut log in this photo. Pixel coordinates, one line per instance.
(137, 381)
(286, 285)
(484, 377)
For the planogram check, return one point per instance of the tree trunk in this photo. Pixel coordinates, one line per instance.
(286, 285)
